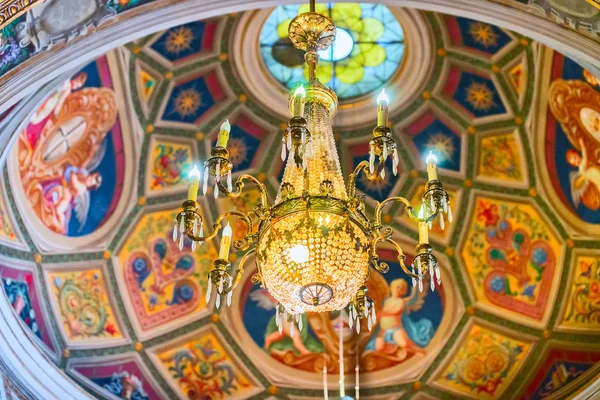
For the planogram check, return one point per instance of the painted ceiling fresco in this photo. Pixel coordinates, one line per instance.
(98, 170)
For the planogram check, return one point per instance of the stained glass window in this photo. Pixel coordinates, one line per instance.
(368, 49)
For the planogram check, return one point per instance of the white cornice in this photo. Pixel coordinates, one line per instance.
(162, 14)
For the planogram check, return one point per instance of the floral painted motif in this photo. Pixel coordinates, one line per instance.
(83, 305)
(203, 369)
(500, 158)
(125, 386)
(484, 364)
(170, 165)
(583, 307)
(18, 295)
(164, 283)
(511, 254)
(6, 226)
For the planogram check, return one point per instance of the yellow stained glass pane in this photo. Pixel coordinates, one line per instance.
(373, 54)
(282, 28)
(347, 16)
(372, 30)
(319, 8)
(350, 72)
(324, 72)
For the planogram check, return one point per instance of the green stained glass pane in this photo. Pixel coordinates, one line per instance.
(367, 56)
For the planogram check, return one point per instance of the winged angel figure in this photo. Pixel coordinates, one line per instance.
(60, 149)
(396, 329)
(576, 105)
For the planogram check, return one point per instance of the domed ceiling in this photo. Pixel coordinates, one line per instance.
(97, 173)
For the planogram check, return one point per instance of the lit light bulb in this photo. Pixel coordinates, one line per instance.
(223, 136)
(382, 109)
(194, 176)
(299, 254)
(431, 161)
(383, 97)
(298, 106)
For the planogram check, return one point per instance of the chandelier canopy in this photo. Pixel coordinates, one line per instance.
(315, 243)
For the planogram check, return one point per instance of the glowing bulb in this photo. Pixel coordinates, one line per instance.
(225, 126)
(431, 158)
(300, 91)
(299, 254)
(194, 173)
(383, 97)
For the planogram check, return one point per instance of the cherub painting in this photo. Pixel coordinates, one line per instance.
(61, 150)
(407, 320)
(576, 106)
(397, 334)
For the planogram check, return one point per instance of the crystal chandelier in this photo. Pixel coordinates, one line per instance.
(315, 243)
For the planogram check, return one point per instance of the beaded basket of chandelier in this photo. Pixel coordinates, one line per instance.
(313, 256)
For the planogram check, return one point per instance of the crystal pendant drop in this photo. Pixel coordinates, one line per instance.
(431, 283)
(280, 327)
(229, 185)
(283, 153)
(300, 323)
(218, 304)
(420, 285)
(229, 298)
(208, 290)
(193, 245)
(351, 320)
(414, 281)
(371, 161)
(180, 242)
(383, 173)
(175, 232)
(438, 275)
(369, 323)
(216, 190)
(442, 224)
(373, 314)
(358, 326)
(449, 213)
(205, 183)
(292, 326)
(289, 141)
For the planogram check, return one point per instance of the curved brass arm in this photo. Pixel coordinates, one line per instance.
(363, 165)
(240, 270)
(238, 244)
(239, 184)
(383, 267)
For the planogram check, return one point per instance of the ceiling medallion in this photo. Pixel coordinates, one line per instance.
(314, 245)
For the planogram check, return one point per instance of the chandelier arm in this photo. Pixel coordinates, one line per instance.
(239, 184)
(401, 256)
(362, 166)
(217, 226)
(240, 270)
(379, 209)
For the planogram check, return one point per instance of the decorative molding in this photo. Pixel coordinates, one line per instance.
(11, 9)
(148, 19)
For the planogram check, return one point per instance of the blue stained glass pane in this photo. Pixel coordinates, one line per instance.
(343, 67)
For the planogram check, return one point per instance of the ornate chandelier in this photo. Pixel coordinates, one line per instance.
(314, 245)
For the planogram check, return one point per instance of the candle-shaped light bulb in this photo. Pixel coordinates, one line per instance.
(431, 161)
(223, 136)
(194, 176)
(299, 96)
(382, 108)
(423, 228)
(225, 242)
